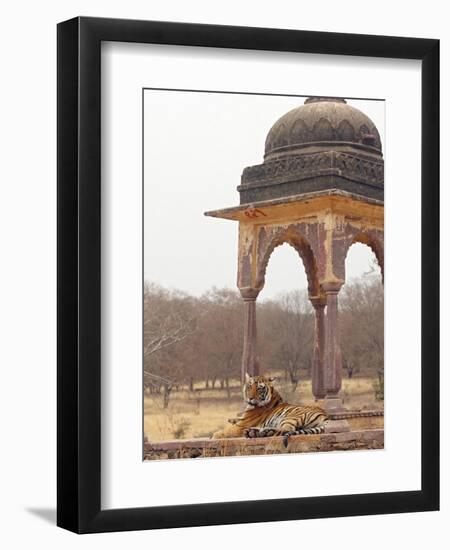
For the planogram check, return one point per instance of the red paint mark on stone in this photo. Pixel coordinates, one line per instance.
(252, 212)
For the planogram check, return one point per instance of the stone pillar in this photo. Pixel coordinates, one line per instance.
(318, 367)
(250, 362)
(332, 358)
(333, 366)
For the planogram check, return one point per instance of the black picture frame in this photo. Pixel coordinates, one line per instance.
(79, 280)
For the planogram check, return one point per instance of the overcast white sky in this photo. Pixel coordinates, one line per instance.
(195, 148)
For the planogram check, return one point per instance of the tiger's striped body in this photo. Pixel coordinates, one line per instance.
(267, 414)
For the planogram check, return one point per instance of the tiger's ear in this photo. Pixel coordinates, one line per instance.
(271, 378)
(247, 377)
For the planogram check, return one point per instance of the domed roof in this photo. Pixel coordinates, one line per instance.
(323, 145)
(321, 121)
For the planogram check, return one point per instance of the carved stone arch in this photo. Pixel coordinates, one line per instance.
(363, 132)
(345, 131)
(300, 243)
(280, 139)
(323, 130)
(375, 241)
(300, 132)
(377, 140)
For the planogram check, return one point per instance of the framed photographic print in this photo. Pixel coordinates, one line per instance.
(237, 339)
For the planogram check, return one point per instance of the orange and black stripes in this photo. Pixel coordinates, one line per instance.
(267, 414)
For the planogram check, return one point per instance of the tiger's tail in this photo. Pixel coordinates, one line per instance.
(303, 431)
(316, 430)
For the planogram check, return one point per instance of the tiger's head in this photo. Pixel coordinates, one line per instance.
(258, 390)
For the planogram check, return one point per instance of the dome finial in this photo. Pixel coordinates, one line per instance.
(315, 99)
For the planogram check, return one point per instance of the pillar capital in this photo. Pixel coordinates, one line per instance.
(249, 294)
(318, 302)
(331, 287)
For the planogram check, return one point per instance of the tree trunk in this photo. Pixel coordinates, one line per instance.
(166, 395)
(227, 385)
(191, 384)
(294, 380)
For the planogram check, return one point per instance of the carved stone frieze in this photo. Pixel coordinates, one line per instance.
(349, 166)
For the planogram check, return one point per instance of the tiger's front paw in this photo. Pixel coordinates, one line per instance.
(267, 432)
(252, 432)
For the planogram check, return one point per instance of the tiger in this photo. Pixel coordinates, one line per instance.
(267, 414)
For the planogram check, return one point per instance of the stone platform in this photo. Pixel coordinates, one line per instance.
(239, 446)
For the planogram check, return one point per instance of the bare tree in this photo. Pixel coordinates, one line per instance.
(223, 329)
(164, 324)
(361, 314)
(290, 333)
(169, 319)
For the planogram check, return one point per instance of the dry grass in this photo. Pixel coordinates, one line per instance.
(202, 412)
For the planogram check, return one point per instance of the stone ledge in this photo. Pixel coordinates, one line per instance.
(239, 446)
(317, 197)
(345, 414)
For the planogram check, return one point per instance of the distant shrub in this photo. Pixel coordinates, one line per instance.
(378, 387)
(180, 428)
